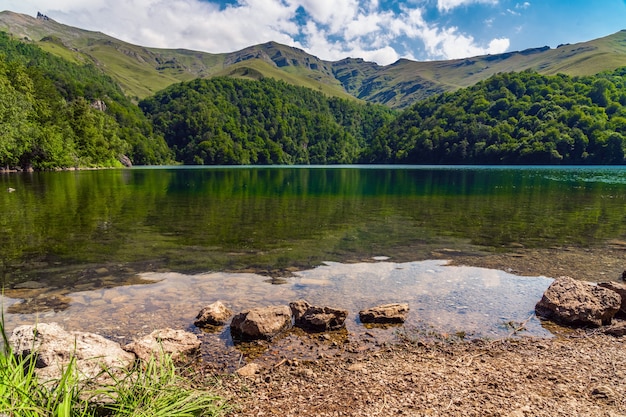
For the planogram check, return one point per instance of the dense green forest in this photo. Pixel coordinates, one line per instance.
(513, 118)
(54, 113)
(236, 121)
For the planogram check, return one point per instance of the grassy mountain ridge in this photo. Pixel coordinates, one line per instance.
(142, 71)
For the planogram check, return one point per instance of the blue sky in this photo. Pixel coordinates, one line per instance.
(376, 30)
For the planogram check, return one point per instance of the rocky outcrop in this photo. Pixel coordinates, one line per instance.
(386, 313)
(260, 323)
(317, 319)
(576, 303)
(215, 314)
(54, 348)
(620, 288)
(177, 343)
(125, 160)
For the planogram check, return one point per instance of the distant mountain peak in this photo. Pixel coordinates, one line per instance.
(141, 71)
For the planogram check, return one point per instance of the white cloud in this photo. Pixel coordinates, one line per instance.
(334, 29)
(452, 45)
(447, 5)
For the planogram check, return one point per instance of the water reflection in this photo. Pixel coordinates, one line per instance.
(477, 301)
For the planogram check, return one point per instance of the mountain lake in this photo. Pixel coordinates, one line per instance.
(122, 252)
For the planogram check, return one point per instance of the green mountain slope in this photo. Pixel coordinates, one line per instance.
(235, 121)
(142, 71)
(513, 118)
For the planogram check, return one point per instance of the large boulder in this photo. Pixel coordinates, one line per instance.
(576, 303)
(386, 313)
(215, 314)
(620, 288)
(54, 348)
(176, 343)
(317, 319)
(260, 323)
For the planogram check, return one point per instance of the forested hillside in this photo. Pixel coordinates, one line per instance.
(236, 121)
(513, 118)
(54, 113)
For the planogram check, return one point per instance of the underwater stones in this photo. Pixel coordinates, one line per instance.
(317, 319)
(177, 343)
(261, 323)
(386, 313)
(215, 314)
(572, 302)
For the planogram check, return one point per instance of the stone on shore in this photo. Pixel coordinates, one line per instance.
(55, 347)
(386, 313)
(249, 370)
(215, 314)
(577, 303)
(260, 323)
(620, 288)
(317, 319)
(177, 343)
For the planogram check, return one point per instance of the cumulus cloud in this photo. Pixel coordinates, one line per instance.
(329, 29)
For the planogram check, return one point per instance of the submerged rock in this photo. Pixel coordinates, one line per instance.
(215, 314)
(576, 303)
(317, 319)
(55, 347)
(260, 323)
(177, 343)
(386, 313)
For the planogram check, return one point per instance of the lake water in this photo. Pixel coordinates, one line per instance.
(81, 247)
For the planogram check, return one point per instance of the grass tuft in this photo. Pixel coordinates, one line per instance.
(154, 388)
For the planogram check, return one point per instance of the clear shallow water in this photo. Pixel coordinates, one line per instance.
(443, 299)
(86, 239)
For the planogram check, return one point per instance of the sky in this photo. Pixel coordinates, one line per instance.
(382, 31)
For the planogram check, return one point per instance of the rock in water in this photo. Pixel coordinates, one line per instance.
(386, 313)
(317, 319)
(576, 303)
(215, 314)
(260, 323)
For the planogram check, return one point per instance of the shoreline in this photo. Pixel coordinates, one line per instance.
(576, 372)
(579, 374)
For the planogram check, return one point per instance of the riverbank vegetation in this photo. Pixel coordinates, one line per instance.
(513, 118)
(56, 113)
(149, 389)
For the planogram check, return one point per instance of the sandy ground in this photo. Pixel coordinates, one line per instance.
(575, 373)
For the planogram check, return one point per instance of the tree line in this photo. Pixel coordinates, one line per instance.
(55, 113)
(236, 121)
(513, 118)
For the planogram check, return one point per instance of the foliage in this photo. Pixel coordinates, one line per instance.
(22, 395)
(237, 121)
(49, 117)
(155, 389)
(513, 118)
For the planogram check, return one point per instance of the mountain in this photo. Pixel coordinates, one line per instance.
(142, 71)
